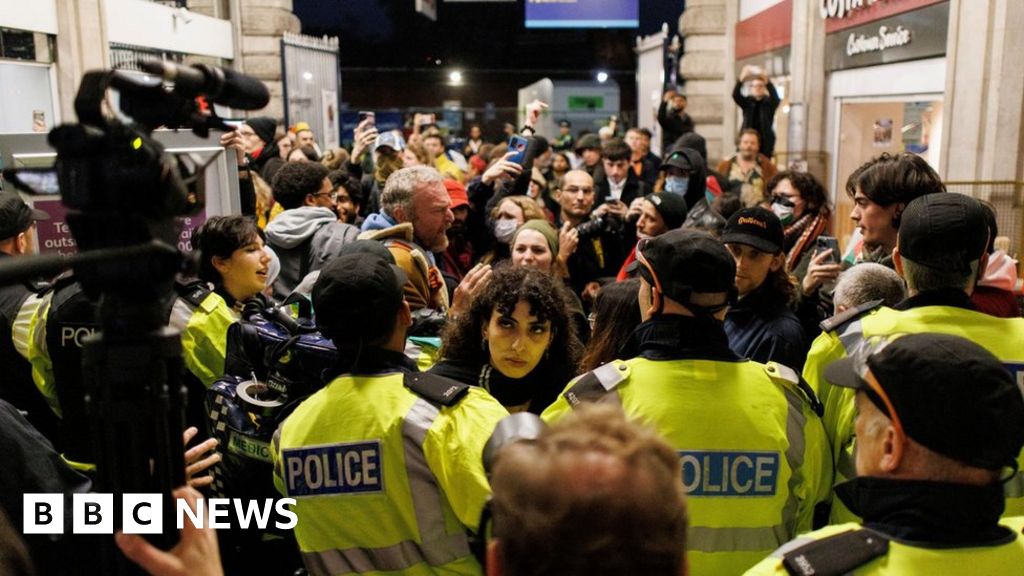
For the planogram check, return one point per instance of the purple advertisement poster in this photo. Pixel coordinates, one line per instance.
(582, 13)
(54, 236)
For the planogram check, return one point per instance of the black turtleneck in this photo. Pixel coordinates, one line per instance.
(942, 297)
(928, 514)
(675, 337)
(539, 389)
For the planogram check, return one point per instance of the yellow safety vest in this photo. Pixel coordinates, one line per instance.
(754, 455)
(385, 480)
(204, 334)
(1003, 337)
(904, 559)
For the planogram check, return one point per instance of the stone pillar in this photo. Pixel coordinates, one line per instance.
(81, 46)
(263, 23)
(808, 112)
(706, 27)
(983, 118)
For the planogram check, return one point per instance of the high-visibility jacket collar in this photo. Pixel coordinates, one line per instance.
(675, 337)
(942, 297)
(928, 513)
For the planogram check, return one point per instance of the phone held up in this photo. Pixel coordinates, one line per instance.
(824, 243)
(517, 144)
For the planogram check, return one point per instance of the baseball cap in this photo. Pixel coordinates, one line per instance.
(948, 394)
(681, 160)
(671, 207)
(357, 291)
(755, 227)
(943, 230)
(457, 193)
(687, 261)
(389, 139)
(16, 216)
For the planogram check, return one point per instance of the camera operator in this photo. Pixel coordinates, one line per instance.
(593, 246)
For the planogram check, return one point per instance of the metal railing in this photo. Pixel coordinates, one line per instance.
(312, 84)
(1007, 196)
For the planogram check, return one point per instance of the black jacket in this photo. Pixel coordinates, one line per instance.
(761, 327)
(759, 114)
(673, 125)
(537, 390)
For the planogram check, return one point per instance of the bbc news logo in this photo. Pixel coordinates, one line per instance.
(144, 513)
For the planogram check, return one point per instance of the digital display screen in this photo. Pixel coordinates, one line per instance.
(582, 13)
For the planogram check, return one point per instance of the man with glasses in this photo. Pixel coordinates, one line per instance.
(592, 249)
(940, 422)
(754, 454)
(941, 246)
(307, 233)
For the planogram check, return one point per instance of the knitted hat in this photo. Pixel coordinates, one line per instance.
(264, 127)
(545, 228)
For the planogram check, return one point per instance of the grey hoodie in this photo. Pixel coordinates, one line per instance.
(304, 239)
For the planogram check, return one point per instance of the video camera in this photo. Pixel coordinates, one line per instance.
(124, 193)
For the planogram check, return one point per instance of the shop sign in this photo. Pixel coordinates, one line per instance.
(843, 8)
(908, 36)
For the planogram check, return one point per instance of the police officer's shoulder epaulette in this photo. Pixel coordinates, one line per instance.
(591, 386)
(444, 391)
(193, 292)
(849, 315)
(835, 555)
(789, 377)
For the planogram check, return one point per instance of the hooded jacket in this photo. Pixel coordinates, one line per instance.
(304, 239)
(425, 288)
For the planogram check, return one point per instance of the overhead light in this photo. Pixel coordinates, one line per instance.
(602, 77)
(455, 77)
(307, 76)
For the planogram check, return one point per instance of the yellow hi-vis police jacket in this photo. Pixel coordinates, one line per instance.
(754, 454)
(1003, 337)
(902, 559)
(385, 480)
(203, 318)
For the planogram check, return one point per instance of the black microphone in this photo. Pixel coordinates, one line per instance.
(220, 85)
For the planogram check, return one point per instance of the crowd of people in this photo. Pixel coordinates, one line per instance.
(722, 390)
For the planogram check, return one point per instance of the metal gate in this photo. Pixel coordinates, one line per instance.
(312, 85)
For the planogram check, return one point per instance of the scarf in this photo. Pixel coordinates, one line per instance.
(800, 235)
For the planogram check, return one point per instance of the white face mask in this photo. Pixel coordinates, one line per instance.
(677, 185)
(504, 229)
(784, 210)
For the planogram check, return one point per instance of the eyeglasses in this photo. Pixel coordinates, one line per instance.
(860, 362)
(333, 195)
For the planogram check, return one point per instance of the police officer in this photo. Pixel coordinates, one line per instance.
(941, 247)
(939, 422)
(18, 302)
(385, 462)
(754, 455)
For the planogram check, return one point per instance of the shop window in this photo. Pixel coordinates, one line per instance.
(25, 45)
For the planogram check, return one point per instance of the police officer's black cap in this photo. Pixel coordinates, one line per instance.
(16, 216)
(951, 395)
(944, 230)
(357, 290)
(688, 261)
(755, 227)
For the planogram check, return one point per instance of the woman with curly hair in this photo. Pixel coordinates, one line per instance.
(516, 341)
(799, 200)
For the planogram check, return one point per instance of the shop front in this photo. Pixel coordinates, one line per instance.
(886, 66)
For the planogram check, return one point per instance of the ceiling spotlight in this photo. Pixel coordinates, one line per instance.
(602, 77)
(455, 77)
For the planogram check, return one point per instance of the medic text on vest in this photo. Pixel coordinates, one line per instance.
(333, 469)
(726, 473)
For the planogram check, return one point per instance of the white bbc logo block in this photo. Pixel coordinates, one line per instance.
(142, 513)
(93, 514)
(43, 514)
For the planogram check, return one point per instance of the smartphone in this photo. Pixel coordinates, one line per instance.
(366, 115)
(827, 243)
(518, 145)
